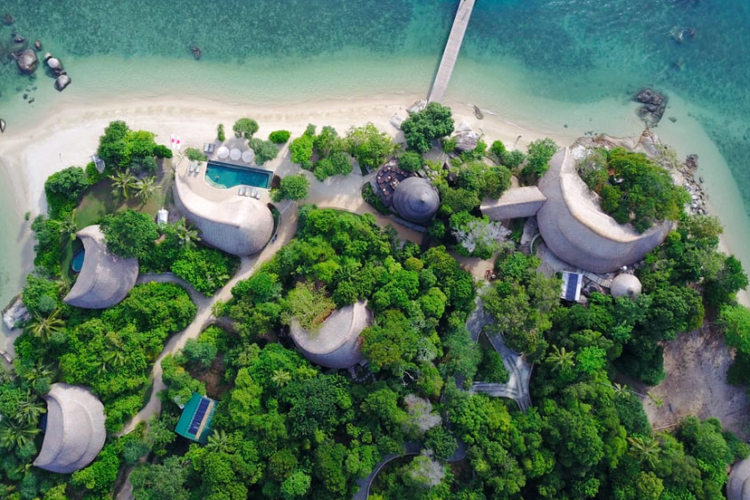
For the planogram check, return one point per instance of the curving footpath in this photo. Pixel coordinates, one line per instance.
(519, 370)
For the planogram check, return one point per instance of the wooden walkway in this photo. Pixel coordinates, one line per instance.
(452, 48)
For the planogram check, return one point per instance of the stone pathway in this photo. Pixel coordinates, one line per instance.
(519, 370)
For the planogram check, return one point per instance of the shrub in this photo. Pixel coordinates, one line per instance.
(220, 133)
(161, 151)
(302, 149)
(129, 233)
(245, 127)
(498, 151)
(92, 173)
(410, 161)
(195, 154)
(292, 187)
(369, 146)
(279, 136)
(264, 150)
(63, 189)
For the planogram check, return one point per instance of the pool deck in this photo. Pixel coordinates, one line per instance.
(199, 185)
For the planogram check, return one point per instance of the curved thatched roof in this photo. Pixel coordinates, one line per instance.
(336, 343)
(416, 199)
(105, 279)
(239, 225)
(625, 285)
(515, 203)
(75, 429)
(738, 487)
(578, 232)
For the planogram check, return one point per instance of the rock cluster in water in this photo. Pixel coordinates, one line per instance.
(654, 105)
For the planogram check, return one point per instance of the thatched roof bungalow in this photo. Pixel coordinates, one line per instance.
(416, 200)
(105, 278)
(335, 344)
(75, 432)
(239, 225)
(515, 203)
(738, 487)
(578, 232)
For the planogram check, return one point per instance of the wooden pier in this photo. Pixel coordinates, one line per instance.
(452, 48)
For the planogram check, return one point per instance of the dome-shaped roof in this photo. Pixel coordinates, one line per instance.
(416, 200)
(239, 225)
(625, 285)
(738, 486)
(75, 430)
(105, 278)
(335, 344)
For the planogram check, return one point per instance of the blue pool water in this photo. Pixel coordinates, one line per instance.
(77, 263)
(227, 176)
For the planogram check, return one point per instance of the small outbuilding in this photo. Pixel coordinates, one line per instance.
(105, 278)
(416, 200)
(195, 421)
(75, 431)
(336, 343)
(571, 286)
(625, 285)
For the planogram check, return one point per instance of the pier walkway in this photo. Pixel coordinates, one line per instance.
(452, 48)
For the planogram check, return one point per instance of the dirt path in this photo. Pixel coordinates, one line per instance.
(696, 384)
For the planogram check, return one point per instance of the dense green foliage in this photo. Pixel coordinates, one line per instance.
(195, 154)
(129, 233)
(291, 187)
(245, 127)
(368, 194)
(279, 136)
(264, 150)
(370, 147)
(63, 189)
(632, 187)
(423, 127)
(122, 148)
(324, 154)
(537, 161)
(220, 135)
(410, 161)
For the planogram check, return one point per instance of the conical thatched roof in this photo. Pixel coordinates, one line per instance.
(625, 285)
(105, 279)
(239, 225)
(578, 232)
(335, 344)
(738, 487)
(75, 429)
(515, 203)
(416, 200)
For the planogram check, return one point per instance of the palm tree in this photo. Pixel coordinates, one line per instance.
(115, 354)
(645, 449)
(16, 435)
(218, 442)
(186, 234)
(40, 371)
(69, 226)
(122, 183)
(146, 188)
(561, 358)
(44, 327)
(281, 377)
(28, 411)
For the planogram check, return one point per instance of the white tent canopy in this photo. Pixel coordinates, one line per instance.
(235, 154)
(222, 152)
(248, 156)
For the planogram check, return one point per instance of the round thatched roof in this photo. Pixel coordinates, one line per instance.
(416, 200)
(335, 344)
(738, 487)
(105, 279)
(75, 429)
(625, 285)
(239, 225)
(578, 232)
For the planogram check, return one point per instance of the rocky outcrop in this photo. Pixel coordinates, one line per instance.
(467, 141)
(37, 45)
(196, 52)
(654, 105)
(53, 63)
(27, 61)
(2, 126)
(698, 197)
(62, 81)
(8, 19)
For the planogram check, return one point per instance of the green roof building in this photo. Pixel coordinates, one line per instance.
(195, 422)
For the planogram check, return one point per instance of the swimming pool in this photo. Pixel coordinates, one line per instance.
(77, 263)
(225, 176)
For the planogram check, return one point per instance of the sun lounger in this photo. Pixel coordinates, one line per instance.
(197, 169)
(241, 191)
(192, 167)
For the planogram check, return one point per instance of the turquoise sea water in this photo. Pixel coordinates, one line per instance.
(548, 63)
